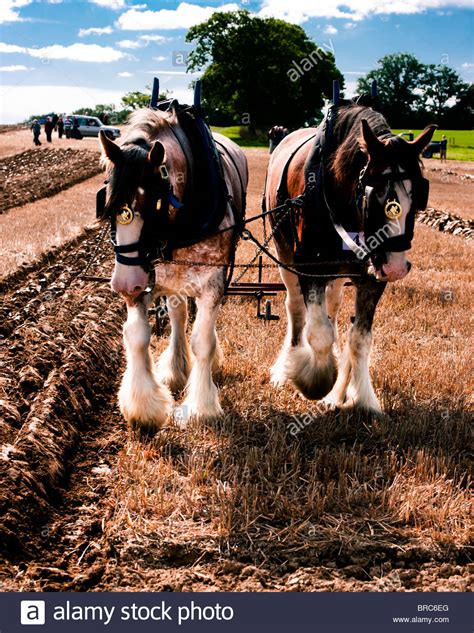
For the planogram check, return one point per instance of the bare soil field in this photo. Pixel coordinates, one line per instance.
(451, 187)
(20, 139)
(35, 174)
(349, 503)
(4, 129)
(36, 227)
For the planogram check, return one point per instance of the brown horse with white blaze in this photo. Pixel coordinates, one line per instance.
(357, 181)
(149, 175)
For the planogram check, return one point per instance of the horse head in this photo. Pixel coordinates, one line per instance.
(138, 186)
(393, 188)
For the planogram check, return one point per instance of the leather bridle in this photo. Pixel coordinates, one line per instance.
(373, 211)
(152, 240)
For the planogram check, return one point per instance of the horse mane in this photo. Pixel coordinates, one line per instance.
(349, 158)
(146, 124)
(142, 128)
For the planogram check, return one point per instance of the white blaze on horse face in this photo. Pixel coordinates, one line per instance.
(129, 281)
(397, 266)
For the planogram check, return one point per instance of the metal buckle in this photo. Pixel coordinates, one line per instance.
(164, 172)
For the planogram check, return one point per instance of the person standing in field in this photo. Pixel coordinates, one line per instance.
(48, 128)
(275, 135)
(75, 129)
(443, 150)
(60, 126)
(36, 128)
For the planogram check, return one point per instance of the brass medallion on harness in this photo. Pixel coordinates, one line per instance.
(393, 209)
(125, 216)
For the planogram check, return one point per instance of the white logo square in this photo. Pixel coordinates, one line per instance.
(32, 612)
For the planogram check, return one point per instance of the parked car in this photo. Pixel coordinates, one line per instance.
(433, 148)
(87, 126)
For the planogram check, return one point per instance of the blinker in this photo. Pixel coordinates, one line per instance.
(422, 191)
(100, 202)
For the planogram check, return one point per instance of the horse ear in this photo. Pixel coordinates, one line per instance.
(369, 142)
(156, 154)
(109, 148)
(423, 139)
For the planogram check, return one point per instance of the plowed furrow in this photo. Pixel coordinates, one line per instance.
(61, 348)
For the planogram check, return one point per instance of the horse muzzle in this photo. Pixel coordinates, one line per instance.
(129, 281)
(393, 270)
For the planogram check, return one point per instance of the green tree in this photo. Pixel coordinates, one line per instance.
(399, 78)
(441, 85)
(97, 110)
(260, 72)
(137, 99)
(461, 115)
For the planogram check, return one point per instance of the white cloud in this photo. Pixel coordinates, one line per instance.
(76, 52)
(160, 58)
(467, 65)
(349, 25)
(109, 4)
(183, 17)
(330, 30)
(95, 30)
(19, 102)
(154, 38)
(11, 48)
(303, 10)
(130, 44)
(14, 69)
(124, 74)
(9, 10)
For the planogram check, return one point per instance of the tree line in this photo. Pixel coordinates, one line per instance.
(412, 93)
(259, 72)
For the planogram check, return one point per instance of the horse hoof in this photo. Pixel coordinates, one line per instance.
(145, 407)
(189, 410)
(174, 382)
(278, 376)
(319, 385)
(332, 403)
(171, 373)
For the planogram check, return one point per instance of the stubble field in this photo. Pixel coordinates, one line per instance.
(240, 503)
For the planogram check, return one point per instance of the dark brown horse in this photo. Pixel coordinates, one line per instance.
(361, 186)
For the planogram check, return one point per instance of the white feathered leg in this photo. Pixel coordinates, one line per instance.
(296, 314)
(143, 401)
(174, 364)
(202, 398)
(311, 366)
(334, 296)
(336, 397)
(354, 363)
(361, 391)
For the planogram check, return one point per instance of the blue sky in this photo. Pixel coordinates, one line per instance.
(62, 54)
